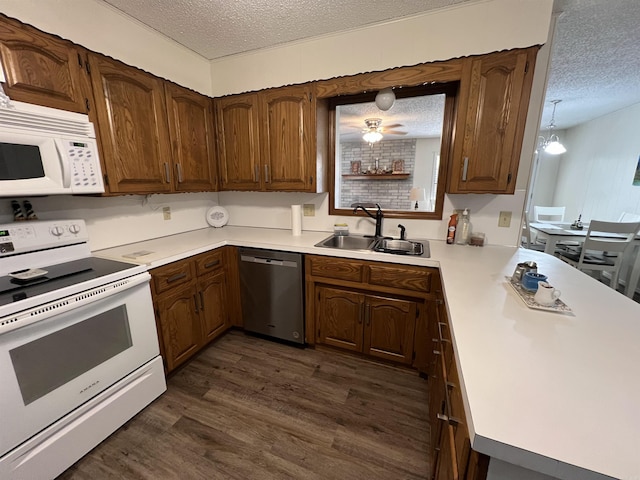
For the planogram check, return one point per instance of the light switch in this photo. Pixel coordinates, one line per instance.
(505, 219)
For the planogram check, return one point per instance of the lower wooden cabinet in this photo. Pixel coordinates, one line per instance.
(350, 306)
(382, 327)
(194, 303)
(452, 456)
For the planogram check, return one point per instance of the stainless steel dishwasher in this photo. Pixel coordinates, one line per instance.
(271, 288)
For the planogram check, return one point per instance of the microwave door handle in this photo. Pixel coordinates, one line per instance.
(64, 163)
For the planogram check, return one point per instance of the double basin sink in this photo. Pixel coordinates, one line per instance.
(384, 245)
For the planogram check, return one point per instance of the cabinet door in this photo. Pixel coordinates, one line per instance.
(132, 122)
(42, 69)
(177, 312)
(288, 139)
(425, 339)
(191, 133)
(389, 327)
(238, 142)
(339, 318)
(494, 108)
(212, 293)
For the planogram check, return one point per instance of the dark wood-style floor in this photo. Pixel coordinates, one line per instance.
(248, 408)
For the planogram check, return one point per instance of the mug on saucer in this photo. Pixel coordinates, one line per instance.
(530, 280)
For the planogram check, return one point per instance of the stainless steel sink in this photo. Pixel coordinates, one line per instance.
(384, 245)
(347, 242)
(399, 247)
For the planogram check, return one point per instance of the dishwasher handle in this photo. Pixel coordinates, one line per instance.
(268, 261)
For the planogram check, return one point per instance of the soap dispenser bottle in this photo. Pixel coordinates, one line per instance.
(464, 229)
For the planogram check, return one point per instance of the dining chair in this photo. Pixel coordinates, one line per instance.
(599, 245)
(629, 217)
(525, 238)
(548, 214)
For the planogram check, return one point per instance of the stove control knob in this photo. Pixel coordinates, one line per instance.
(74, 228)
(56, 231)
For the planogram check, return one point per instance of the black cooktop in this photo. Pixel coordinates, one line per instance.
(59, 276)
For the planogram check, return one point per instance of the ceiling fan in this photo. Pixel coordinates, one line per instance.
(374, 130)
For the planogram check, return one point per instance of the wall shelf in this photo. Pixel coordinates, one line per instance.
(378, 176)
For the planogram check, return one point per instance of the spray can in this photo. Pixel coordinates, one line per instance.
(451, 229)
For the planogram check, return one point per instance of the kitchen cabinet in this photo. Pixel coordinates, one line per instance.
(238, 142)
(493, 104)
(43, 69)
(193, 304)
(132, 125)
(192, 140)
(373, 308)
(452, 456)
(267, 140)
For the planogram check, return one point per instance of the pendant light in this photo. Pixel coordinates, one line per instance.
(551, 144)
(385, 99)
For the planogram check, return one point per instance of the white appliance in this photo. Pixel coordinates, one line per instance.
(45, 151)
(79, 352)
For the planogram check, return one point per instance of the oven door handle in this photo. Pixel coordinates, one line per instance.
(61, 305)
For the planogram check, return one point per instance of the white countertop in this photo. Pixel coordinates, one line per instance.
(554, 393)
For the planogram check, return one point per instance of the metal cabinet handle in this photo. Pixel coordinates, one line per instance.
(256, 173)
(442, 339)
(195, 302)
(201, 300)
(179, 168)
(211, 264)
(367, 314)
(266, 174)
(361, 312)
(176, 277)
(465, 167)
(167, 173)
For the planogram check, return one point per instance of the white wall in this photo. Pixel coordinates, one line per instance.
(595, 175)
(471, 28)
(102, 28)
(126, 219)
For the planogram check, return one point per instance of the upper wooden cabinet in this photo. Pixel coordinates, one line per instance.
(494, 98)
(288, 139)
(191, 134)
(42, 69)
(132, 121)
(238, 140)
(267, 140)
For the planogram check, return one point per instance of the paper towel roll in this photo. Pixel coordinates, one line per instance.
(296, 220)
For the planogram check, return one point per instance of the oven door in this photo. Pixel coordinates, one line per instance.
(52, 366)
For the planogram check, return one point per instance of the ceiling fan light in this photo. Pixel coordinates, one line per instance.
(385, 99)
(372, 137)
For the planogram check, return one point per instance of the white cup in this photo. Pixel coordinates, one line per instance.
(546, 294)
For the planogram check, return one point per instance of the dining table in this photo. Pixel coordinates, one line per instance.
(562, 232)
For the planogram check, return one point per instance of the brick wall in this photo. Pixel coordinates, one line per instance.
(390, 194)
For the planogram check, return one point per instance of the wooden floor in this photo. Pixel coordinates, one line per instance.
(248, 408)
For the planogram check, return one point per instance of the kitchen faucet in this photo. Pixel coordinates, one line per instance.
(377, 217)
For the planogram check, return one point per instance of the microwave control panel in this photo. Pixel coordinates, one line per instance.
(85, 167)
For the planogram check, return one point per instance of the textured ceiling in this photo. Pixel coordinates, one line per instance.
(217, 28)
(595, 60)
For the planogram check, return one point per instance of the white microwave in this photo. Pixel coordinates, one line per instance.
(45, 151)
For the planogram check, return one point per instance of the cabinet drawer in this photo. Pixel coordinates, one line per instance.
(171, 275)
(417, 279)
(336, 268)
(210, 261)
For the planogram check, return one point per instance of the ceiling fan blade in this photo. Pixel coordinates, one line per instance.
(395, 125)
(394, 132)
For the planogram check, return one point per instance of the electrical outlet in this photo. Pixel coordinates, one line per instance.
(166, 213)
(309, 210)
(505, 219)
